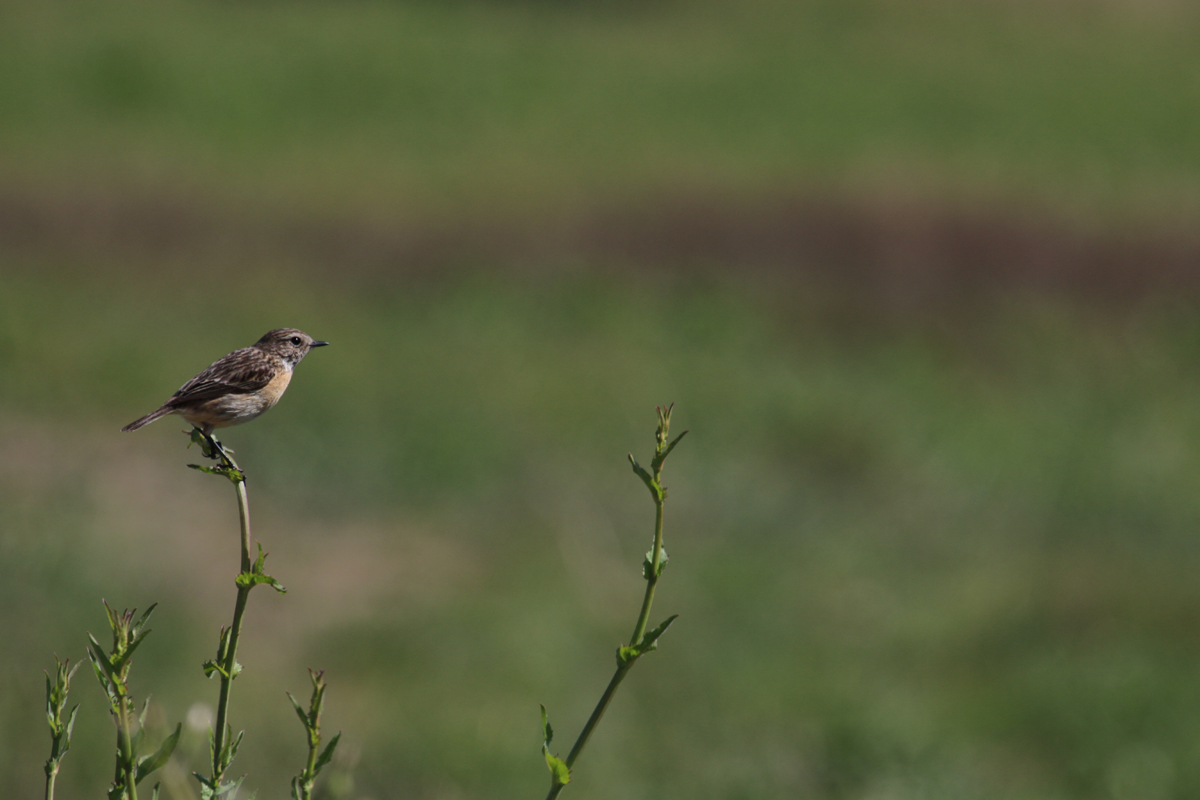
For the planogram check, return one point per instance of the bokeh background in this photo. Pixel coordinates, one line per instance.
(921, 277)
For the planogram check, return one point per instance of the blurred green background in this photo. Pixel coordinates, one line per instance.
(922, 278)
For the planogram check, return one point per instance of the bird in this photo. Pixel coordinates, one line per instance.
(238, 387)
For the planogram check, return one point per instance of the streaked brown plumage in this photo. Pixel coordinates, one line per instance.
(240, 386)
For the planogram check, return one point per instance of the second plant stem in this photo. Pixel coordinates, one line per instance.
(125, 743)
(639, 630)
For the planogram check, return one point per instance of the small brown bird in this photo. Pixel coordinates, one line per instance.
(240, 386)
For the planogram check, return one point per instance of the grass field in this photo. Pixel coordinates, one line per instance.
(925, 542)
(429, 109)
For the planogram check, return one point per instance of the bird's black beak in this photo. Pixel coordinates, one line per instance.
(318, 344)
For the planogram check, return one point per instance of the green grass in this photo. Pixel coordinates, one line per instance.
(436, 109)
(916, 553)
(936, 562)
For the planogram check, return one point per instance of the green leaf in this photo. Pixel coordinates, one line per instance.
(51, 715)
(145, 710)
(626, 654)
(218, 664)
(326, 754)
(135, 742)
(547, 731)
(230, 787)
(212, 666)
(650, 640)
(648, 564)
(248, 580)
(655, 491)
(70, 727)
(223, 643)
(154, 794)
(299, 711)
(560, 774)
(206, 787)
(661, 457)
(149, 764)
(234, 475)
(103, 668)
(113, 620)
(232, 743)
(142, 620)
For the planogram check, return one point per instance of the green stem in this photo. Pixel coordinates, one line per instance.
(308, 777)
(56, 755)
(643, 618)
(639, 630)
(592, 722)
(125, 746)
(638, 646)
(235, 630)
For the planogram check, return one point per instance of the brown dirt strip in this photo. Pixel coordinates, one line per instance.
(886, 247)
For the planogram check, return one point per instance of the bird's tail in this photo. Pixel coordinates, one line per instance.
(146, 420)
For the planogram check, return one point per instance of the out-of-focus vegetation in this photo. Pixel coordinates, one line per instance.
(920, 548)
(432, 107)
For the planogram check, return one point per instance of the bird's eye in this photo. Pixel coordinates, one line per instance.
(296, 341)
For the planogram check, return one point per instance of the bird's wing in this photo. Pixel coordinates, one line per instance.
(241, 372)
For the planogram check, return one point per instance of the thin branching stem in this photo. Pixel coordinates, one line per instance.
(640, 642)
(623, 669)
(60, 729)
(228, 654)
(235, 632)
(302, 784)
(224, 743)
(235, 629)
(309, 769)
(639, 630)
(125, 743)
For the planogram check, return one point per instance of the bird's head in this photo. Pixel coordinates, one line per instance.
(288, 343)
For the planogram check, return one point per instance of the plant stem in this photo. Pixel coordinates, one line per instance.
(306, 785)
(639, 643)
(639, 630)
(235, 630)
(592, 722)
(309, 776)
(125, 746)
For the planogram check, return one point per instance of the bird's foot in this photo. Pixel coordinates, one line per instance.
(210, 446)
(218, 451)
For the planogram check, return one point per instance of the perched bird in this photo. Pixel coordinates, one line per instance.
(240, 386)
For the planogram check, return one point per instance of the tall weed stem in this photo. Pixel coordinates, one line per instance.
(60, 731)
(302, 784)
(112, 670)
(641, 642)
(224, 744)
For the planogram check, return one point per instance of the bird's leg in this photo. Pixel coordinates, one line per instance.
(210, 446)
(205, 442)
(219, 453)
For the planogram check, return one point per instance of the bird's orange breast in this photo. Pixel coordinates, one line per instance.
(274, 390)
